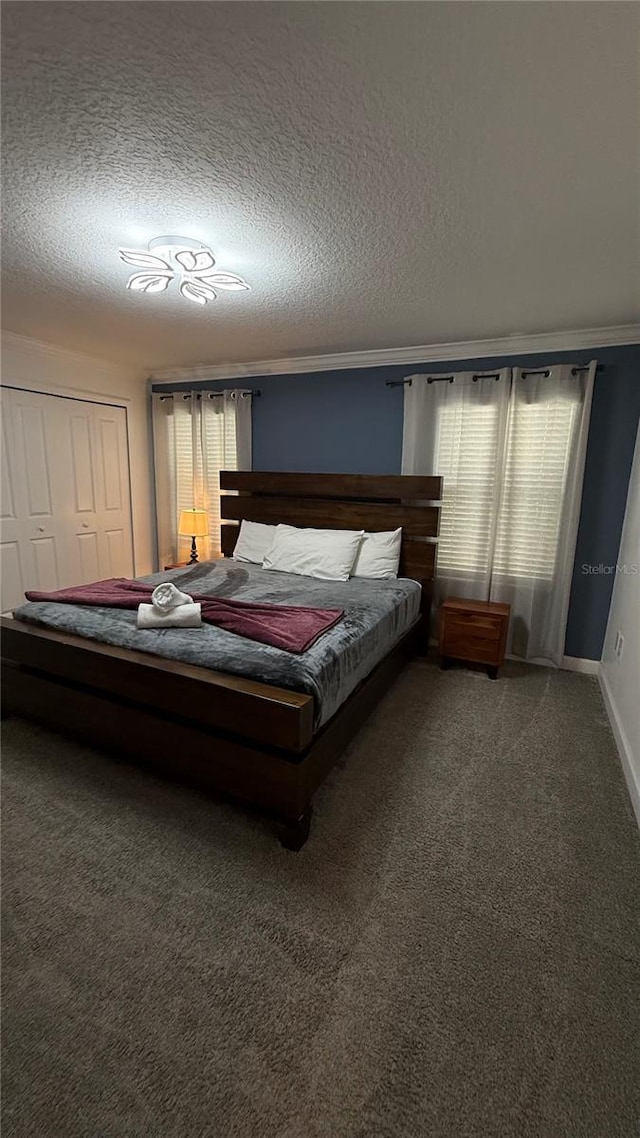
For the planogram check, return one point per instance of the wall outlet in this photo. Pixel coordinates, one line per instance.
(618, 647)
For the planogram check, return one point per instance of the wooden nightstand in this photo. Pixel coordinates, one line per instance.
(475, 631)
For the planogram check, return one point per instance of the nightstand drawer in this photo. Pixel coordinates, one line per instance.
(467, 624)
(469, 647)
(475, 631)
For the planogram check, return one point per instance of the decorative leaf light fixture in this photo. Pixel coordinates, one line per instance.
(169, 258)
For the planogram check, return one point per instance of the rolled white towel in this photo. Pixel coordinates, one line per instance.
(184, 616)
(167, 597)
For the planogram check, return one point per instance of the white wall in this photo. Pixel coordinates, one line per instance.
(31, 365)
(620, 677)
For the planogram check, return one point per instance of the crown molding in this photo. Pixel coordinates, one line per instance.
(578, 340)
(17, 340)
(14, 340)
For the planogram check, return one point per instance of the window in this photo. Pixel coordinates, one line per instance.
(536, 467)
(467, 440)
(219, 452)
(511, 447)
(524, 507)
(196, 435)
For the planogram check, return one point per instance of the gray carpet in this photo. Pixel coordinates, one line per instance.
(455, 953)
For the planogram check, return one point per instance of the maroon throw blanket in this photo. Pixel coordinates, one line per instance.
(282, 626)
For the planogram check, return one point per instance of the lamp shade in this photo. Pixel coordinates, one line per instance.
(193, 523)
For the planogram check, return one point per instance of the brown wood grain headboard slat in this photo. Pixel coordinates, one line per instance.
(371, 502)
(417, 520)
(418, 559)
(228, 539)
(371, 487)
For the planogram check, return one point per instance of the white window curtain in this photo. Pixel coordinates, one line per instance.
(196, 435)
(510, 446)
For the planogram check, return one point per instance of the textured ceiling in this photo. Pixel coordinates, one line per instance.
(383, 174)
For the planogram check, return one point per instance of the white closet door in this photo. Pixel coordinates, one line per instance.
(33, 536)
(112, 491)
(77, 473)
(11, 571)
(96, 490)
(66, 515)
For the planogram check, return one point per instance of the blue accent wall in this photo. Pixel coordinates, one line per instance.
(349, 421)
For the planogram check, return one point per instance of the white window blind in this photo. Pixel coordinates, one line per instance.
(219, 450)
(181, 453)
(529, 499)
(195, 437)
(538, 453)
(467, 440)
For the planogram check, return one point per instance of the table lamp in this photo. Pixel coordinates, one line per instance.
(193, 524)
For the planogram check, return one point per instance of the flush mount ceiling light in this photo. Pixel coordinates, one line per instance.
(170, 258)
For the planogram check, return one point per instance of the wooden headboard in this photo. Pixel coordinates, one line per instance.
(371, 502)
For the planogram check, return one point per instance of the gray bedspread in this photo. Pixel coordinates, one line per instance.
(377, 613)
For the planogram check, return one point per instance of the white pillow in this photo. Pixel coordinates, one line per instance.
(379, 555)
(325, 553)
(254, 540)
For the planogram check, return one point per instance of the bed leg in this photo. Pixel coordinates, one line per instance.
(295, 831)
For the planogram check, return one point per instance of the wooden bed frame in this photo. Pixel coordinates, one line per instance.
(246, 739)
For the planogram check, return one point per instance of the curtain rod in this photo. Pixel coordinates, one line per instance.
(485, 375)
(574, 370)
(442, 379)
(210, 394)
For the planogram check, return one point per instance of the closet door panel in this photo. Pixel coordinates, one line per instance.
(77, 487)
(33, 457)
(88, 557)
(7, 496)
(108, 438)
(113, 507)
(82, 461)
(44, 570)
(117, 556)
(11, 576)
(32, 442)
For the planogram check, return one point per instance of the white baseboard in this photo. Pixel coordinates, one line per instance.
(581, 664)
(622, 743)
(569, 663)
